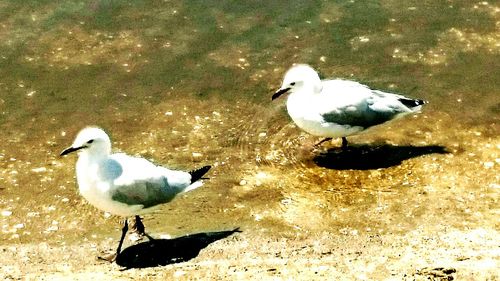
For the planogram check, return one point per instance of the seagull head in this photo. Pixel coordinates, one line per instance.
(299, 77)
(90, 140)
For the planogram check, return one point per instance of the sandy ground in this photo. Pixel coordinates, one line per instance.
(187, 84)
(464, 255)
(471, 255)
(423, 206)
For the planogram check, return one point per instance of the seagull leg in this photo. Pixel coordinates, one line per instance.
(112, 257)
(344, 143)
(140, 229)
(325, 139)
(124, 232)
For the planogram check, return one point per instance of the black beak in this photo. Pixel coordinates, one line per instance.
(279, 93)
(70, 149)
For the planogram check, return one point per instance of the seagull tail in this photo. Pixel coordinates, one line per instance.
(196, 175)
(414, 104)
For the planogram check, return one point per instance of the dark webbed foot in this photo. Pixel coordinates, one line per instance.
(139, 228)
(110, 257)
(319, 143)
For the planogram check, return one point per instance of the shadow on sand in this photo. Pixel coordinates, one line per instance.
(160, 252)
(367, 157)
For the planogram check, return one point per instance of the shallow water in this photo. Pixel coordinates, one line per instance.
(189, 84)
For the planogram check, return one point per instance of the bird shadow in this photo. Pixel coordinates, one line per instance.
(160, 252)
(368, 157)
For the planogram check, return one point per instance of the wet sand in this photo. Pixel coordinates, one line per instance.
(189, 85)
(427, 199)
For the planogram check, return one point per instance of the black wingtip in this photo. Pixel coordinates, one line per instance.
(420, 102)
(198, 173)
(412, 103)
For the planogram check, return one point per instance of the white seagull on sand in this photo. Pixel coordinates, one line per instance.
(124, 185)
(339, 108)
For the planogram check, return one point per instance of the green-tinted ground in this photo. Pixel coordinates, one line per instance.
(188, 84)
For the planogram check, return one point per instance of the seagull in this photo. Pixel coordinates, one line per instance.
(124, 185)
(339, 108)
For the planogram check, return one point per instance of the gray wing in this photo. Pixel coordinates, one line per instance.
(140, 182)
(374, 109)
(145, 193)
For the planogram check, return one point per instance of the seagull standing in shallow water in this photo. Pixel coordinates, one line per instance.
(124, 185)
(339, 108)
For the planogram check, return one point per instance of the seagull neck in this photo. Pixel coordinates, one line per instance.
(297, 102)
(300, 96)
(93, 157)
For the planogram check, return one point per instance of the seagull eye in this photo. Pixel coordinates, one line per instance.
(90, 141)
(292, 84)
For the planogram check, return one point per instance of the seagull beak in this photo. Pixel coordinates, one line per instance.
(279, 93)
(70, 149)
